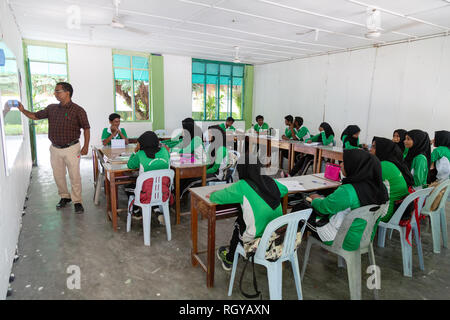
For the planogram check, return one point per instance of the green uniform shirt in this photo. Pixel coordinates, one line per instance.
(302, 133)
(230, 128)
(221, 155)
(347, 144)
(419, 170)
(196, 143)
(405, 152)
(288, 133)
(161, 160)
(258, 214)
(325, 141)
(107, 133)
(258, 128)
(397, 185)
(344, 197)
(440, 152)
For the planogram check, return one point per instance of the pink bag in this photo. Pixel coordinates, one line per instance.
(332, 171)
(187, 158)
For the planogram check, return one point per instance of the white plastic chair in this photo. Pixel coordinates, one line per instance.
(370, 214)
(438, 217)
(100, 176)
(156, 200)
(274, 269)
(393, 224)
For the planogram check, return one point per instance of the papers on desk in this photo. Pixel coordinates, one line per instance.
(126, 154)
(312, 144)
(292, 185)
(117, 143)
(120, 159)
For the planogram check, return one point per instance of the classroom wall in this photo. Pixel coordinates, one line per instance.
(13, 188)
(379, 89)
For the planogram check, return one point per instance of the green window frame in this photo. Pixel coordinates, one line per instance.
(225, 76)
(129, 65)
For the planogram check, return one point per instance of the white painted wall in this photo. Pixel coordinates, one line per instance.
(379, 89)
(13, 188)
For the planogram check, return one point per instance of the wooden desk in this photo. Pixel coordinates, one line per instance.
(298, 146)
(213, 212)
(283, 145)
(333, 153)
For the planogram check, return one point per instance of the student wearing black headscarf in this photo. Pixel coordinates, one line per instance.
(216, 156)
(398, 137)
(260, 199)
(418, 158)
(192, 139)
(362, 185)
(350, 138)
(440, 157)
(394, 170)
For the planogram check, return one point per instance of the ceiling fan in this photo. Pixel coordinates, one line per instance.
(116, 22)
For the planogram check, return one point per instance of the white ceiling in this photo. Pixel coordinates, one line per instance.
(264, 30)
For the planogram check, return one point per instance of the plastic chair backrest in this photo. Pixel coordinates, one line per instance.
(435, 192)
(419, 194)
(291, 219)
(157, 194)
(370, 214)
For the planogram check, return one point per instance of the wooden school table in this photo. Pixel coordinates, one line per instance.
(333, 153)
(302, 147)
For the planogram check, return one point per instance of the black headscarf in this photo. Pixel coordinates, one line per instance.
(149, 142)
(349, 132)
(421, 146)
(402, 134)
(364, 174)
(387, 150)
(328, 130)
(193, 130)
(263, 185)
(442, 138)
(217, 142)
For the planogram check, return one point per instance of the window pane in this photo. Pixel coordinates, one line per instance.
(237, 102)
(211, 105)
(123, 99)
(44, 53)
(8, 53)
(120, 60)
(237, 81)
(238, 71)
(140, 63)
(49, 69)
(140, 75)
(141, 99)
(224, 96)
(198, 67)
(122, 74)
(198, 78)
(198, 101)
(225, 70)
(212, 68)
(211, 80)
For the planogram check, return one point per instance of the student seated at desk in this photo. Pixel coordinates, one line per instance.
(228, 125)
(148, 155)
(192, 139)
(301, 132)
(113, 131)
(398, 137)
(260, 199)
(289, 132)
(394, 170)
(362, 186)
(440, 157)
(350, 138)
(418, 158)
(217, 154)
(260, 124)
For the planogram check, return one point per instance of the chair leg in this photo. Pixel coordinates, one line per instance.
(381, 236)
(275, 279)
(296, 272)
(436, 231)
(341, 262)
(146, 224)
(353, 261)
(166, 211)
(130, 199)
(305, 259)
(373, 263)
(406, 254)
(443, 218)
(233, 272)
(390, 233)
(419, 248)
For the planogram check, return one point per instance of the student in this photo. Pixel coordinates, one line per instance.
(228, 125)
(260, 199)
(394, 170)
(192, 139)
(440, 157)
(418, 158)
(301, 132)
(113, 131)
(362, 185)
(217, 151)
(350, 138)
(148, 155)
(260, 124)
(289, 132)
(399, 138)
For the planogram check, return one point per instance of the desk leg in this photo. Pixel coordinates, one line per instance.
(113, 195)
(108, 195)
(211, 248)
(177, 194)
(290, 157)
(319, 161)
(204, 176)
(194, 231)
(315, 163)
(285, 204)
